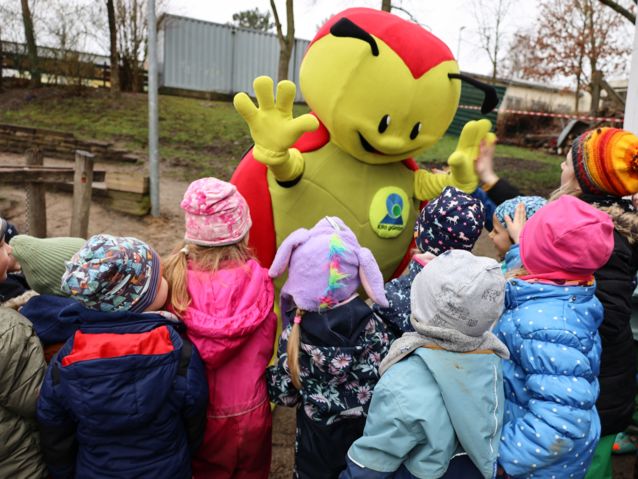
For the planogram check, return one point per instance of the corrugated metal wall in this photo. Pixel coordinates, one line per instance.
(472, 96)
(205, 56)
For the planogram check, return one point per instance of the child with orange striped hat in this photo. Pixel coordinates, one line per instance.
(601, 168)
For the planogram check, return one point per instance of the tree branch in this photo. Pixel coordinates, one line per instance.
(620, 9)
(280, 34)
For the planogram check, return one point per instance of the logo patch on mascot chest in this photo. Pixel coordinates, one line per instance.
(389, 212)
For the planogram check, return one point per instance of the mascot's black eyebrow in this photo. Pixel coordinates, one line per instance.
(490, 98)
(345, 28)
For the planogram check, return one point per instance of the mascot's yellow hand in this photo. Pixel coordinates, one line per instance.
(271, 124)
(462, 160)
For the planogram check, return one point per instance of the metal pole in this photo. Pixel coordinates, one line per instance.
(153, 154)
(631, 104)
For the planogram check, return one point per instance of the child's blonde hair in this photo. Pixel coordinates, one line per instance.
(572, 188)
(292, 350)
(204, 258)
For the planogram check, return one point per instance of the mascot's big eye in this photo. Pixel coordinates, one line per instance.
(416, 129)
(384, 123)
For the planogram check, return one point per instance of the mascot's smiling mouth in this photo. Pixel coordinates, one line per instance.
(368, 147)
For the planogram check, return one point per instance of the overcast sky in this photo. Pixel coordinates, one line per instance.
(447, 19)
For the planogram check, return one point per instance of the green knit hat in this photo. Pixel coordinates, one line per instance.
(42, 260)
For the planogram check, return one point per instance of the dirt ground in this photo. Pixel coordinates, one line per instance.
(162, 233)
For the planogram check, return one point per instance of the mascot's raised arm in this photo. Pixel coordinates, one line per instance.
(381, 90)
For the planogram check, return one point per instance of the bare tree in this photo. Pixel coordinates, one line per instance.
(386, 5)
(287, 41)
(618, 8)
(572, 38)
(32, 47)
(115, 60)
(490, 16)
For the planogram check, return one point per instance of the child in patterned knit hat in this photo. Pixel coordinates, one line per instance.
(226, 298)
(126, 395)
(453, 220)
(330, 352)
(516, 209)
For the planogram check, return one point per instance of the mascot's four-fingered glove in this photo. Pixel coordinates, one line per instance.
(462, 174)
(273, 128)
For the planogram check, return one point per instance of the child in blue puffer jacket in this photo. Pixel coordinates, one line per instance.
(550, 327)
(126, 396)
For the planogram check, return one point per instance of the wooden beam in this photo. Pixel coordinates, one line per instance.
(82, 189)
(46, 174)
(36, 199)
(612, 93)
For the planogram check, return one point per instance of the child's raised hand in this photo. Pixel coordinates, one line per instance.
(484, 164)
(515, 226)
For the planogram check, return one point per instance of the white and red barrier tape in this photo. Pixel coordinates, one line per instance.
(551, 115)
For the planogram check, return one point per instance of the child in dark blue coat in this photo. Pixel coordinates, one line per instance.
(126, 396)
(453, 220)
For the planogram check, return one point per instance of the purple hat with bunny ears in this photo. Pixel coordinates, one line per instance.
(326, 265)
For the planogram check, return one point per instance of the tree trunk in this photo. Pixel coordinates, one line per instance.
(287, 42)
(284, 61)
(1, 60)
(115, 60)
(577, 96)
(386, 5)
(31, 45)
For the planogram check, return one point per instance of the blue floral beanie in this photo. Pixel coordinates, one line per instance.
(508, 207)
(113, 274)
(453, 220)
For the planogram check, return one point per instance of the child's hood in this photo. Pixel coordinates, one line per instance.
(44, 312)
(344, 342)
(226, 307)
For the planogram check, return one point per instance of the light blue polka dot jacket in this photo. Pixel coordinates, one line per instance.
(551, 425)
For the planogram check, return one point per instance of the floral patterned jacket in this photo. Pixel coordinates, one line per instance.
(341, 350)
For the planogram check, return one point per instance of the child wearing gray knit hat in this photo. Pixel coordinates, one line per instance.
(446, 376)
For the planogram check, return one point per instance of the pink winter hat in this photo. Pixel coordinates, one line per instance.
(216, 213)
(567, 239)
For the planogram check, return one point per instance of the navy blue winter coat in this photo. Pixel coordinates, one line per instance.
(397, 315)
(125, 397)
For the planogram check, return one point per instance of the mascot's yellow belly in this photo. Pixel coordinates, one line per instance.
(375, 201)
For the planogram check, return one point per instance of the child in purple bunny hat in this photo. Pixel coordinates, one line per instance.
(329, 355)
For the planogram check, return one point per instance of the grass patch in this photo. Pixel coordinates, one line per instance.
(201, 137)
(534, 172)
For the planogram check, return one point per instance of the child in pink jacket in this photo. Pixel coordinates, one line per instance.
(225, 298)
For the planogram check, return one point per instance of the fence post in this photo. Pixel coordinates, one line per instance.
(36, 200)
(82, 190)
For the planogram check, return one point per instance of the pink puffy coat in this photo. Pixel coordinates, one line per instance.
(232, 323)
